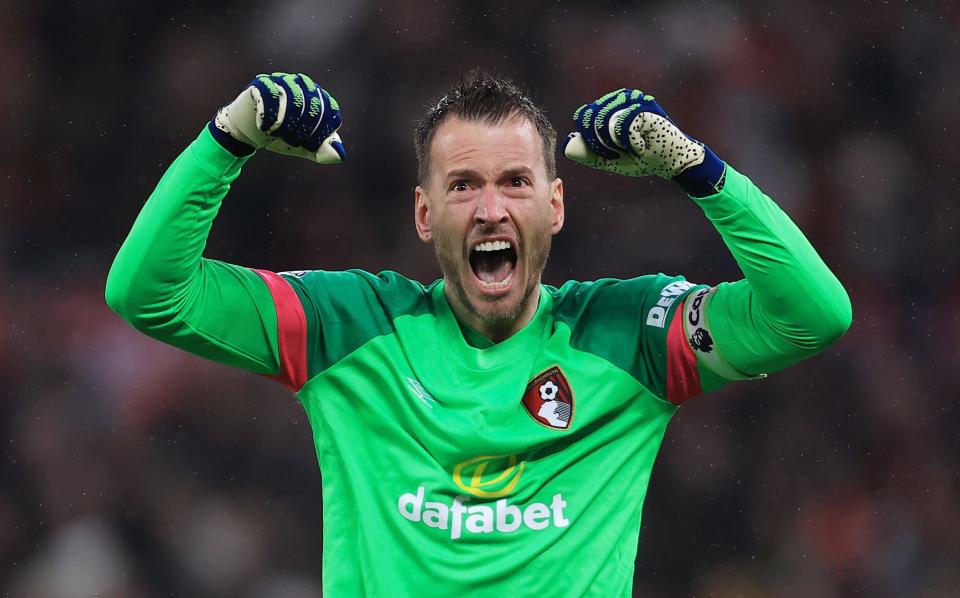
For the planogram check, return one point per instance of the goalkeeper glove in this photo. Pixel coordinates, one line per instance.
(284, 113)
(628, 133)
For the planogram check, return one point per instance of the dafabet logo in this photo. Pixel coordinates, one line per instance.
(500, 480)
(484, 477)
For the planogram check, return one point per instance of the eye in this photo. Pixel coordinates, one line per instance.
(459, 186)
(519, 181)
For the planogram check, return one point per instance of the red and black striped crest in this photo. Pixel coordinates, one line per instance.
(548, 399)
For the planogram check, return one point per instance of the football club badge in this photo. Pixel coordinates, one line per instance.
(548, 399)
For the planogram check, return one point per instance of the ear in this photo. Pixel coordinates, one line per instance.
(421, 214)
(556, 204)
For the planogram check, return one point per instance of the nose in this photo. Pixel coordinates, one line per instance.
(491, 208)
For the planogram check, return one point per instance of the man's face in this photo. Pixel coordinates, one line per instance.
(490, 211)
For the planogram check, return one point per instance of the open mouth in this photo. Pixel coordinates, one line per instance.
(493, 263)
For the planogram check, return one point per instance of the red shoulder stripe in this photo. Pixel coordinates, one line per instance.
(291, 331)
(683, 380)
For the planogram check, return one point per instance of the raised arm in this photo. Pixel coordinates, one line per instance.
(159, 281)
(789, 306)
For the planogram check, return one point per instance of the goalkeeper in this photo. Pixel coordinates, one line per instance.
(485, 432)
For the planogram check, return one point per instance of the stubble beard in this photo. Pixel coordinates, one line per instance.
(497, 314)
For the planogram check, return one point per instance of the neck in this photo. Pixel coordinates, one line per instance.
(495, 330)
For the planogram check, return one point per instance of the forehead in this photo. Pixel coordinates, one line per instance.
(486, 146)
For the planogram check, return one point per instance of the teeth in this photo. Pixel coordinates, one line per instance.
(496, 285)
(493, 246)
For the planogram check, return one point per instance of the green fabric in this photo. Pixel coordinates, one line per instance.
(609, 319)
(400, 417)
(346, 309)
(474, 338)
(791, 305)
(161, 285)
(412, 415)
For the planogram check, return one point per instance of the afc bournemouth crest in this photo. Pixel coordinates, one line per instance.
(548, 399)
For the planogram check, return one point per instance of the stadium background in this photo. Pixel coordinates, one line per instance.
(129, 469)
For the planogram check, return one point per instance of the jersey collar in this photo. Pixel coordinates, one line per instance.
(479, 351)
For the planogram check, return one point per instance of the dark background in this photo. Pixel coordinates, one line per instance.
(130, 469)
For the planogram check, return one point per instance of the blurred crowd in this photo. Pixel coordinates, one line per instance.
(130, 469)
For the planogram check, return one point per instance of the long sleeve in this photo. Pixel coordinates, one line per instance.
(161, 284)
(790, 305)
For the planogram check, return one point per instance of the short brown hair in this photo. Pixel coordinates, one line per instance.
(480, 96)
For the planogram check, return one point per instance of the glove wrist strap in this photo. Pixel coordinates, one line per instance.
(704, 179)
(229, 142)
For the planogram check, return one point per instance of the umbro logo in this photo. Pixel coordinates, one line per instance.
(420, 392)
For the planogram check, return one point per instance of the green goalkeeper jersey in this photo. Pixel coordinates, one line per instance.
(452, 465)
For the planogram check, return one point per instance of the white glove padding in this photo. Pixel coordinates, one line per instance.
(628, 133)
(287, 114)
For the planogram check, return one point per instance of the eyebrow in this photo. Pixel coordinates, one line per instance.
(462, 173)
(468, 173)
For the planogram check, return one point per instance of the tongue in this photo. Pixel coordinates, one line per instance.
(493, 269)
